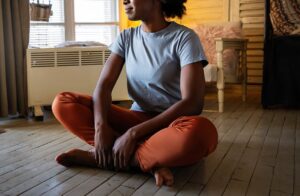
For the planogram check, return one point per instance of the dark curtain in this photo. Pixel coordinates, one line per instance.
(14, 38)
(282, 72)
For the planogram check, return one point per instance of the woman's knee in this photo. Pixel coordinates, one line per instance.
(64, 102)
(200, 132)
(60, 101)
(207, 134)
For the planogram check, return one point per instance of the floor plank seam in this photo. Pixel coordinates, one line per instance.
(258, 153)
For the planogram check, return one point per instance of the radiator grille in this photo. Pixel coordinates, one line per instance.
(68, 58)
(106, 55)
(43, 59)
(51, 57)
(92, 58)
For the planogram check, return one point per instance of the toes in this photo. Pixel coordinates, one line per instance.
(169, 181)
(63, 159)
(168, 178)
(164, 176)
(159, 179)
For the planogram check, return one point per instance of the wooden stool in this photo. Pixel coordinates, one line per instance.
(221, 45)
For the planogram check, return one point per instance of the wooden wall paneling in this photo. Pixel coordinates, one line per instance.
(251, 5)
(205, 11)
(234, 10)
(249, 13)
(252, 18)
(226, 10)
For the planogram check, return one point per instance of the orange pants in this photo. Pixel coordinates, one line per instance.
(185, 141)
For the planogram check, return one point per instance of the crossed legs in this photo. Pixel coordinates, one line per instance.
(187, 139)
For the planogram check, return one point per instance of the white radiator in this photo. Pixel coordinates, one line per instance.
(54, 70)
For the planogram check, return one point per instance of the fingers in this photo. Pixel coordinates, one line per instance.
(106, 161)
(101, 159)
(109, 160)
(120, 161)
(99, 156)
(126, 162)
(121, 167)
(116, 161)
(96, 157)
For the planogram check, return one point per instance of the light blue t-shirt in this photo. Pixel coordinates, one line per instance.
(154, 61)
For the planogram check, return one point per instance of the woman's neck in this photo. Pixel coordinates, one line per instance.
(155, 23)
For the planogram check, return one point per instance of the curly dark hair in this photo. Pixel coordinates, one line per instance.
(173, 8)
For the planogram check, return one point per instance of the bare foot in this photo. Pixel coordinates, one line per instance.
(163, 176)
(77, 157)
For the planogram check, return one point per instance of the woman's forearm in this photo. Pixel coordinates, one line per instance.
(102, 93)
(181, 108)
(101, 105)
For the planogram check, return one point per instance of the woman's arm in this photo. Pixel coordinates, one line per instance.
(104, 135)
(192, 86)
(105, 84)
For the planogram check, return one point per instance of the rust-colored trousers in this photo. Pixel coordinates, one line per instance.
(185, 141)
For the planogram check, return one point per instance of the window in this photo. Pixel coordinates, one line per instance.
(46, 34)
(76, 20)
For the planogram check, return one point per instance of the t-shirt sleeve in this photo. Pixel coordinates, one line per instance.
(118, 46)
(191, 50)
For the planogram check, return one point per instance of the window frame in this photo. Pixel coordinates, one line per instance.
(70, 24)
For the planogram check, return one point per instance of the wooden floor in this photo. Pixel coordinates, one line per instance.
(258, 154)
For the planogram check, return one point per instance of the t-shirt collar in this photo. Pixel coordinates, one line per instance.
(157, 33)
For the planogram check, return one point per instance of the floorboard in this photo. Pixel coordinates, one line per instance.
(258, 154)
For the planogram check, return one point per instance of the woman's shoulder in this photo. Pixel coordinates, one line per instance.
(131, 31)
(182, 27)
(183, 32)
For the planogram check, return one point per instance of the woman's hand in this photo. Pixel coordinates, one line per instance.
(123, 149)
(104, 141)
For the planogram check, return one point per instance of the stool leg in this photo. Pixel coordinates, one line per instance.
(220, 80)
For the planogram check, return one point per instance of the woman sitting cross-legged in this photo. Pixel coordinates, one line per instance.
(163, 129)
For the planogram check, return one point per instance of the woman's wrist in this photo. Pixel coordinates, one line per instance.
(133, 134)
(140, 131)
(99, 126)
